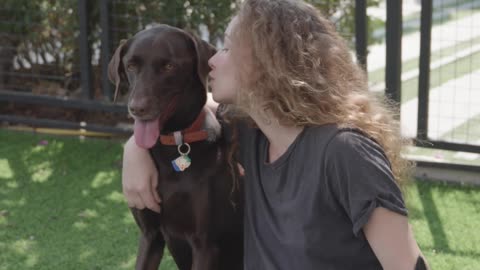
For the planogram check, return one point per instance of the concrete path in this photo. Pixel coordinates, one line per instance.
(443, 36)
(451, 105)
(454, 102)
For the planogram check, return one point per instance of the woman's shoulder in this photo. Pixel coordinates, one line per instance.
(353, 147)
(352, 138)
(329, 134)
(337, 140)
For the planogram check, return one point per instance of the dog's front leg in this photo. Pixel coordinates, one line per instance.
(152, 243)
(205, 254)
(150, 252)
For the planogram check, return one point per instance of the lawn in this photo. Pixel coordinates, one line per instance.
(61, 207)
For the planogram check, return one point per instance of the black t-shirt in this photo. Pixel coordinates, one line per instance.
(306, 210)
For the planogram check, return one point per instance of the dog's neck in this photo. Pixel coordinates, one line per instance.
(188, 109)
(204, 127)
(185, 113)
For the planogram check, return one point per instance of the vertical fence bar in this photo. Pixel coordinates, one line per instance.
(361, 30)
(393, 68)
(424, 75)
(106, 45)
(85, 60)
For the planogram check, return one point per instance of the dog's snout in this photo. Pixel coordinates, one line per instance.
(138, 107)
(137, 111)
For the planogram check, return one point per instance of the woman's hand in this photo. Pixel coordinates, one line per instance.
(139, 178)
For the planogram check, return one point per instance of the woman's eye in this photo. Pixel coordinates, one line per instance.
(224, 49)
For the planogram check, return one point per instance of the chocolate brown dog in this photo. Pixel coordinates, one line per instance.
(166, 69)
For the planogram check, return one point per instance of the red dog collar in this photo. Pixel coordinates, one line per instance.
(194, 133)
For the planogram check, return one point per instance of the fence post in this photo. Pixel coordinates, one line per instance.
(393, 68)
(361, 30)
(85, 56)
(424, 66)
(106, 45)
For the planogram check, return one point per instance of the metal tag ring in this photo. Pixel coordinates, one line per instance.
(179, 148)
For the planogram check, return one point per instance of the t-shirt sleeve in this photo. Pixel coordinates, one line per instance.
(360, 178)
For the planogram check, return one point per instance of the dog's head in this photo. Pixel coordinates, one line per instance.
(166, 69)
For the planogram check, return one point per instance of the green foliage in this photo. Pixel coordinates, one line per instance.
(18, 16)
(214, 14)
(46, 28)
(342, 13)
(44, 33)
(45, 22)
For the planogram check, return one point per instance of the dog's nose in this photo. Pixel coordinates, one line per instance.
(137, 111)
(138, 107)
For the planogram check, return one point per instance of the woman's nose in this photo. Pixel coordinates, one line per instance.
(211, 62)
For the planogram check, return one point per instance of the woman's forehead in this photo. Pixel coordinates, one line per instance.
(231, 24)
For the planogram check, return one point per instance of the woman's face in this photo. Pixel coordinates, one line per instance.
(223, 76)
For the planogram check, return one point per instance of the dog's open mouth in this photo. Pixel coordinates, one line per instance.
(146, 132)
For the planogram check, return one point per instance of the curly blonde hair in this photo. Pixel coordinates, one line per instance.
(300, 71)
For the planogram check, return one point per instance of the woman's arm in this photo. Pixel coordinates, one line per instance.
(139, 178)
(391, 239)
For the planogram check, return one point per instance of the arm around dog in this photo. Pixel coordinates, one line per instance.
(139, 178)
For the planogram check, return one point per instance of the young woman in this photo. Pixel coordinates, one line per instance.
(322, 159)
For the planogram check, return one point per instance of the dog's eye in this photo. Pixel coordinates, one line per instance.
(168, 67)
(131, 67)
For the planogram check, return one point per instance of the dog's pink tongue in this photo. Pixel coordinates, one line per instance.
(146, 133)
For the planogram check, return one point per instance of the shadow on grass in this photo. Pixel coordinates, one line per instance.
(432, 216)
(61, 205)
(452, 216)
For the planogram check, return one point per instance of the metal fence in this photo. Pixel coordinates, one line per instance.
(449, 94)
(431, 71)
(54, 55)
(57, 57)
(50, 73)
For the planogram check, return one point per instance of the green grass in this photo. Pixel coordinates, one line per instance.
(61, 207)
(446, 219)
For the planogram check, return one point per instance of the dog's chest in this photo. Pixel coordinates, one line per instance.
(187, 194)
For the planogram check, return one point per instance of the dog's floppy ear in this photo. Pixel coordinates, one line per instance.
(204, 52)
(116, 72)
